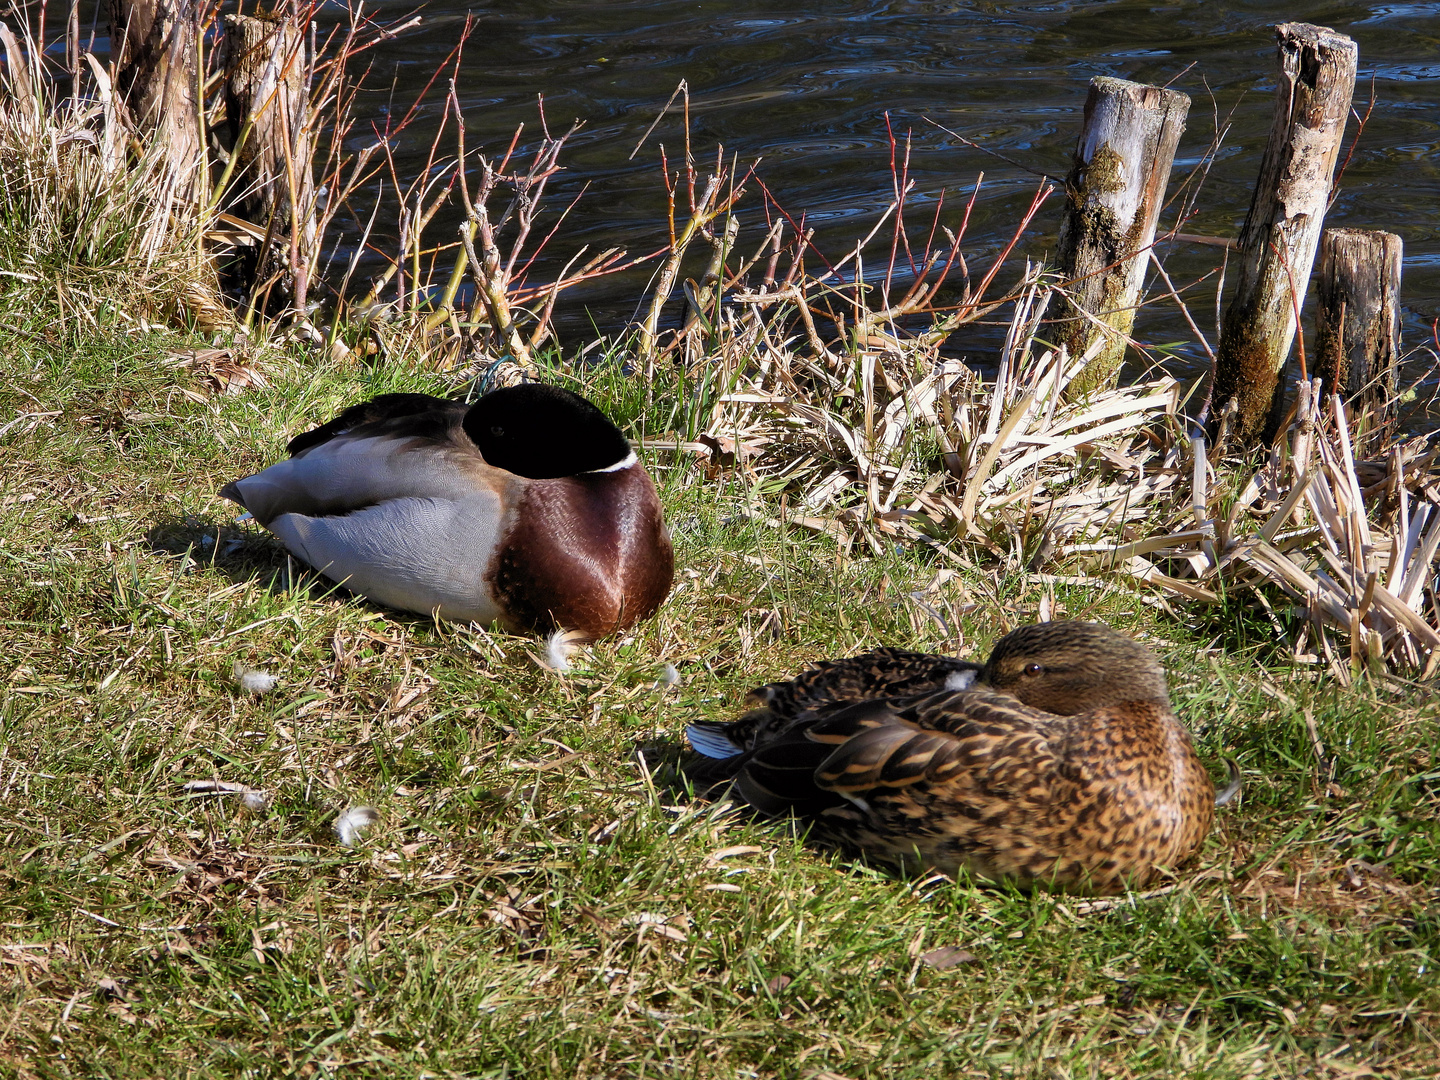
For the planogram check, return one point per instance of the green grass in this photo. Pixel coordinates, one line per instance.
(540, 897)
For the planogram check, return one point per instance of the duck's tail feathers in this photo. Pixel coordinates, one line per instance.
(1230, 790)
(713, 740)
(232, 492)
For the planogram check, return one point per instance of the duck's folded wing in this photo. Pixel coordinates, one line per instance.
(779, 777)
(880, 673)
(350, 473)
(414, 554)
(377, 410)
(823, 760)
(970, 745)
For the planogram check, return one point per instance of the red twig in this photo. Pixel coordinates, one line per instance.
(1359, 130)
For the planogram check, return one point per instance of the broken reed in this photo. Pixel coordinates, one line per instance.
(888, 441)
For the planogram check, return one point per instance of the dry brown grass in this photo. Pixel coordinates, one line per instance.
(538, 894)
(87, 225)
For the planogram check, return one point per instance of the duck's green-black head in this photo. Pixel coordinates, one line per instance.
(543, 432)
(1068, 667)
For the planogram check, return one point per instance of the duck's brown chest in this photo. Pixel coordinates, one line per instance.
(588, 553)
(1099, 806)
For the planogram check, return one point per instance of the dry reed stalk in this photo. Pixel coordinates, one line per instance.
(1357, 560)
(80, 212)
(881, 437)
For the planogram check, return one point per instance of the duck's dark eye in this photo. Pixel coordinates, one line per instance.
(498, 431)
(1034, 669)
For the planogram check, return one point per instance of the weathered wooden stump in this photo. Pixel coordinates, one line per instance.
(1357, 322)
(267, 112)
(1278, 240)
(153, 46)
(1114, 192)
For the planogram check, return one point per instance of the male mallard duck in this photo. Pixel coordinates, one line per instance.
(528, 507)
(1059, 762)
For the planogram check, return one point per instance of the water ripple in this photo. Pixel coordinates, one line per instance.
(808, 89)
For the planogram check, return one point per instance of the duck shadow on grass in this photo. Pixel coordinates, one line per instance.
(686, 779)
(680, 775)
(243, 554)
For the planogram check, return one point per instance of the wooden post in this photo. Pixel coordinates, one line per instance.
(154, 47)
(1278, 240)
(1357, 322)
(267, 112)
(1115, 188)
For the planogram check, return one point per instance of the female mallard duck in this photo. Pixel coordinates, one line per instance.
(528, 507)
(1058, 762)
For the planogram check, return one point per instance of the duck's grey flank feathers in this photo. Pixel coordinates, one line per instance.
(347, 473)
(414, 554)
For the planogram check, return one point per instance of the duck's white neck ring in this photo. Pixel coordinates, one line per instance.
(624, 463)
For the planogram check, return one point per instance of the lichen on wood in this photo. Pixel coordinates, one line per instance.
(1282, 229)
(1115, 189)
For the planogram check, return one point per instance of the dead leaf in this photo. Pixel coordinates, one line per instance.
(108, 987)
(947, 957)
(724, 853)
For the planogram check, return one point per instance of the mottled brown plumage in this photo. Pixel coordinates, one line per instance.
(1062, 765)
(834, 684)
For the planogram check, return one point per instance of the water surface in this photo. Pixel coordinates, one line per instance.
(806, 90)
